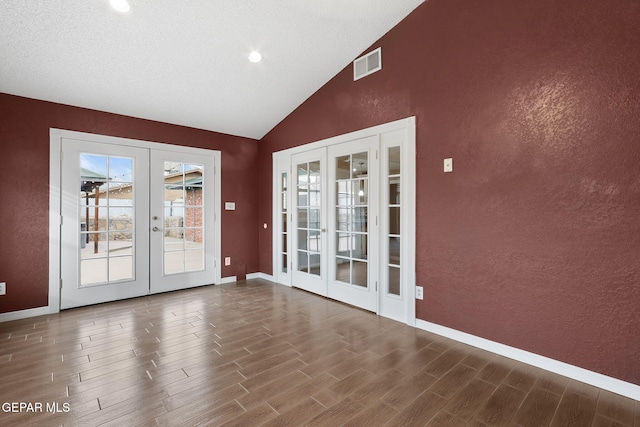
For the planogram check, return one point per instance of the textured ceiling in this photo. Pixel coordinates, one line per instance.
(185, 62)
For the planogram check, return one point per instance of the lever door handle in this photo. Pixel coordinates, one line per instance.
(155, 229)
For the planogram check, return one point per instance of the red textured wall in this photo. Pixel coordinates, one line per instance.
(534, 240)
(24, 188)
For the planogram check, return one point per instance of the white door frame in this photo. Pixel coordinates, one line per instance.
(408, 218)
(55, 199)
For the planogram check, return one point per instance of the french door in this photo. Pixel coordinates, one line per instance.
(353, 242)
(342, 226)
(134, 221)
(104, 232)
(309, 222)
(181, 214)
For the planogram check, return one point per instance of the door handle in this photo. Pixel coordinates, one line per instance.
(323, 229)
(155, 229)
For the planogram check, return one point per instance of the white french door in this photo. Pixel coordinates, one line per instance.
(134, 221)
(104, 232)
(344, 218)
(182, 206)
(309, 246)
(353, 241)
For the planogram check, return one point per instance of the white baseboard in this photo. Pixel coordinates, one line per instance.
(574, 372)
(229, 279)
(259, 275)
(23, 314)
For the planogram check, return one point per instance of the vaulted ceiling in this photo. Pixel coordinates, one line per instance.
(185, 62)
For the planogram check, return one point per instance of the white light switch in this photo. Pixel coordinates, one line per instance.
(227, 260)
(419, 294)
(448, 165)
(230, 206)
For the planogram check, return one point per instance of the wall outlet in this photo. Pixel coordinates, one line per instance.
(419, 294)
(3, 288)
(227, 260)
(448, 165)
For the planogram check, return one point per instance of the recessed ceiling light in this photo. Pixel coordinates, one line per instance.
(255, 56)
(121, 6)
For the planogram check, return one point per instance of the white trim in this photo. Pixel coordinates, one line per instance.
(229, 279)
(260, 275)
(23, 314)
(574, 372)
(358, 134)
(217, 208)
(55, 174)
(409, 170)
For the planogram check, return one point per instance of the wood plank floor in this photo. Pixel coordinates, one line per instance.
(255, 353)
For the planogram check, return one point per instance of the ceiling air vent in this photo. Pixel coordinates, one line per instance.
(367, 64)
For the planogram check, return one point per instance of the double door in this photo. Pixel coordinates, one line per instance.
(134, 221)
(338, 223)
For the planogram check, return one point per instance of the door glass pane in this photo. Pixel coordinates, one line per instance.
(314, 218)
(394, 161)
(302, 218)
(394, 220)
(93, 271)
(359, 249)
(343, 193)
(194, 259)
(343, 249)
(394, 191)
(314, 240)
(302, 239)
(314, 264)
(303, 174)
(106, 217)
(343, 165)
(343, 270)
(360, 191)
(394, 251)
(359, 219)
(394, 280)
(303, 261)
(183, 222)
(343, 218)
(360, 165)
(120, 268)
(173, 262)
(359, 273)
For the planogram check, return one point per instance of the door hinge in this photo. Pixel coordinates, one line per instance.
(376, 286)
(376, 220)
(60, 283)
(376, 154)
(61, 219)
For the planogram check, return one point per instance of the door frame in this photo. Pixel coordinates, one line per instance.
(408, 216)
(55, 199)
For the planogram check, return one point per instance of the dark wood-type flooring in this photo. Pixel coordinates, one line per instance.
(255, 353)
